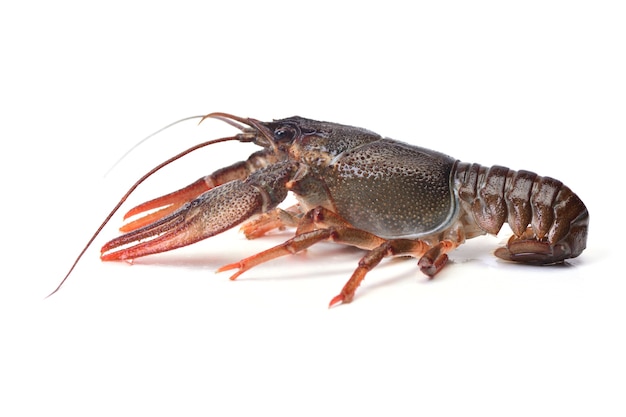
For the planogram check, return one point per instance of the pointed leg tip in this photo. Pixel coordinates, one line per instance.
(336, 301)
(340, 299)
(227, 267)
(231, 267)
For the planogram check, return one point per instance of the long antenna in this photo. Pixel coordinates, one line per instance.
(136, 145)
(134, 187)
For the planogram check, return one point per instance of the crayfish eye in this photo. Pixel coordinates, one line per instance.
(284, 134)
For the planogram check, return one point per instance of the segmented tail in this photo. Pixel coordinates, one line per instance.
(549, 221)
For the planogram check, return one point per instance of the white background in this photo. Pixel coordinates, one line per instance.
(536, 85)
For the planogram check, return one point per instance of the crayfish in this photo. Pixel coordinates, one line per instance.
(356, 188)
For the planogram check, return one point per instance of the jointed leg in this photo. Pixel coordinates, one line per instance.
(275, 219)
(322, 224)
(373, 258)
(431, 261)
(302, 241)
(436, 258)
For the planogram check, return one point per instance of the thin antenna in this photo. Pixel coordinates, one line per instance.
(136, 184)
(135, 146)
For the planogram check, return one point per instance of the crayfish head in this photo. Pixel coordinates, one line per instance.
(302, 139)
(278, 134)
(316, 142)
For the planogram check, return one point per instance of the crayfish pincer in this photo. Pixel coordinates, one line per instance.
(357, 188)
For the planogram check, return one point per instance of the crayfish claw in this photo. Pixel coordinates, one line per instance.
(160, 207)
(197, 220)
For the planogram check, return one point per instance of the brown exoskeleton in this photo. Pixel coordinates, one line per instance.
(357, 188)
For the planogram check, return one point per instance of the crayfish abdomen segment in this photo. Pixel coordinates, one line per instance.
(548, 220)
